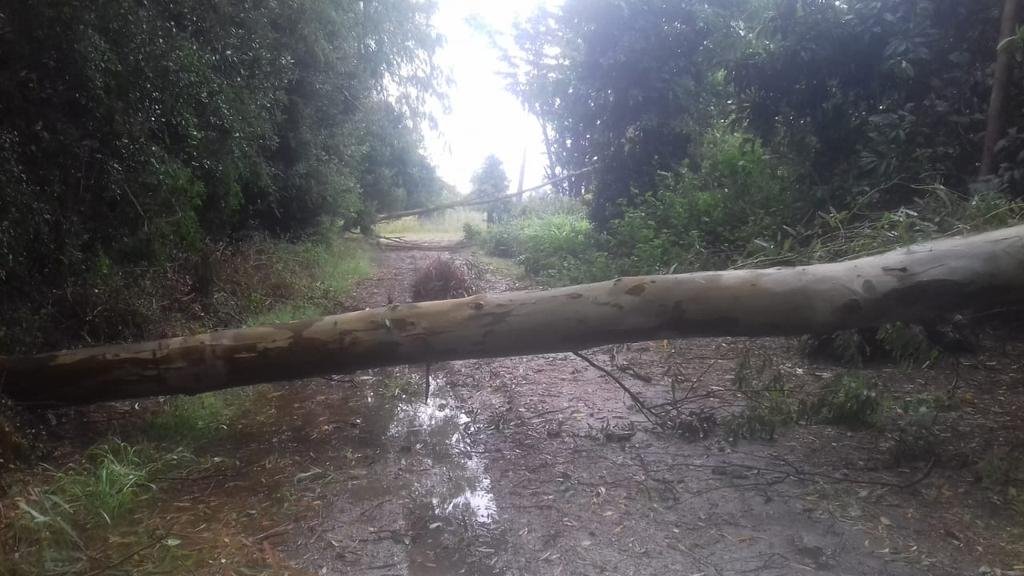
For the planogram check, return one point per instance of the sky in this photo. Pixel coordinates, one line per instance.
(484, 118)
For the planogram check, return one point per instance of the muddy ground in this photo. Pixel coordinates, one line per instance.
(543, 465)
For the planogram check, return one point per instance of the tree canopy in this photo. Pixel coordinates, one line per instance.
(859, 95)
(491, 181)
(134, 132)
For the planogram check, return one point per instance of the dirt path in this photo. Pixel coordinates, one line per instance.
(541, 465)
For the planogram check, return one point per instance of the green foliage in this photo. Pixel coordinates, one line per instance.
(752, 133)
(299, 280)
(631, 84)
(491, 181)
(909, 345)
(850, 401)
(191, 420)
(53, 526)
(444, 223)
(556, 248)
(734, 206)
(133, 136)
(872, 93)
(769, 403)
(471, 232)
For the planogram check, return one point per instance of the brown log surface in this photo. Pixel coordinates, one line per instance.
(907, 284)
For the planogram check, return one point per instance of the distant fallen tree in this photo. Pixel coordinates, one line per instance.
(477, 201)
(908, 284)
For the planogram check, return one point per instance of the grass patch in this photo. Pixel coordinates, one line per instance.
(192, 420)
(89, 516)
(298, 281)
(446, 222)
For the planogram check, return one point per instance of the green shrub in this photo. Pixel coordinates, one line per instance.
(850, 401)
(908, 345)
(770, 404)
(557, 248)
(735, 205)
(471, 232)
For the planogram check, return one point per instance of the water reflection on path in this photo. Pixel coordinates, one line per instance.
(414, 498)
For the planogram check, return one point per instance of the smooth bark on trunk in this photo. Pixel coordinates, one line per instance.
(907, 284)
(1000, 85)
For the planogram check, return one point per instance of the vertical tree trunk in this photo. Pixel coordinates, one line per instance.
(1000, 87)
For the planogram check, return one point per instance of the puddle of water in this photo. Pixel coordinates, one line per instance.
(437, 430)
(415, 497)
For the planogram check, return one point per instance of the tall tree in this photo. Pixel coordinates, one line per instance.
(491, 181)
(1000, 86)
(131, 133)
(629, 85)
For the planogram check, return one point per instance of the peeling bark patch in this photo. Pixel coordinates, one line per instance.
(636, 289)
(402, 325)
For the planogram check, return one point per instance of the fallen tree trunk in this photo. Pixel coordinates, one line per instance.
(476, 201)
(903, 285)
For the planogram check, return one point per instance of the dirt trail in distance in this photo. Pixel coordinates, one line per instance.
(541, 465)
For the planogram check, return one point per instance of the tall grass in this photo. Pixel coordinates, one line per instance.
(90, 514)
(87, 514)
(296, 281)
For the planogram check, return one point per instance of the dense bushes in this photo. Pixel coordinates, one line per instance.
(739, 207)
(864, 95)
(557, 248)
(736, 204)
(253, 281)
(134, 134)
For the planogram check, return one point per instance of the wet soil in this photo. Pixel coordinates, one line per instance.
(543, 465)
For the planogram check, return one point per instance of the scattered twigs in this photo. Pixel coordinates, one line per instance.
(278, 531)
(128, 556)
(677, 403)
(632, 396)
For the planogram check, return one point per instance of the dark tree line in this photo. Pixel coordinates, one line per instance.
(862, 95)
(135, 132)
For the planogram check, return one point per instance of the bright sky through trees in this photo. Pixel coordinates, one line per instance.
(484, 117)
